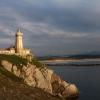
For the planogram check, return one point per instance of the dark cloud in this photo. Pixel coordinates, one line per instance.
(52, 27)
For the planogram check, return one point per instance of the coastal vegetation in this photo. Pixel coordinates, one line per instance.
(21, 60)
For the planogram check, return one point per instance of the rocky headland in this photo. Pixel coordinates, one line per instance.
(25, 78)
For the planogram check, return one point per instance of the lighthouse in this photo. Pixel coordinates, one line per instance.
(19, 42)
(18, 48)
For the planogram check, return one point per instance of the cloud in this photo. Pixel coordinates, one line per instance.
(63, 26)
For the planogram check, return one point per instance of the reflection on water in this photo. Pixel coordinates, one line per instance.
(85, 78)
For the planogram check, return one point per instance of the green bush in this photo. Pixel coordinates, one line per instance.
(37, 63)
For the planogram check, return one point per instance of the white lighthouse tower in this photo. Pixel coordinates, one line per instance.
(19, 42)
(18, 47)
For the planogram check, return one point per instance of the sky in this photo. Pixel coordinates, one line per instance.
(52, 27)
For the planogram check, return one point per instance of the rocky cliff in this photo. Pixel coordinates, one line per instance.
(35, 74)
(13, 89)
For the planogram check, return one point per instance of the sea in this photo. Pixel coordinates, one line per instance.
(86, 78)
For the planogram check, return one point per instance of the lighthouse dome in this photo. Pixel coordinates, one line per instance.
(19, 33)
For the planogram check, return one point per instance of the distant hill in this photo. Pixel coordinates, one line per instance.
(87, 55)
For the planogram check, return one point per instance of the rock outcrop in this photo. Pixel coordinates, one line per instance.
(42, 77)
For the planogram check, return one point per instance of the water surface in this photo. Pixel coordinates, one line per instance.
(87, 79)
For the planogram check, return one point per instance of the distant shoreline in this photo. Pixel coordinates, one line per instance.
(75, 65)
(70, 60)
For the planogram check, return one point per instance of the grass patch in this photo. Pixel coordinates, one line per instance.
(19, 61)
(37, 63)
(14, 59)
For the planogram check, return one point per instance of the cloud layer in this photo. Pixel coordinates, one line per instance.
(52, 26)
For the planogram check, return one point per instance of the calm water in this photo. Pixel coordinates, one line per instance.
(87, 79)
